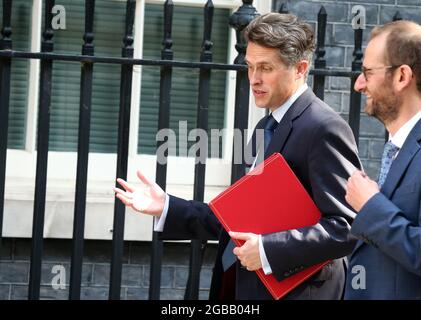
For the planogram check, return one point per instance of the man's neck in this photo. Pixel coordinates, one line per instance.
(297, 87)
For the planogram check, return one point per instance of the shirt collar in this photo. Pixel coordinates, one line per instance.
(279, 113)
(398, 139)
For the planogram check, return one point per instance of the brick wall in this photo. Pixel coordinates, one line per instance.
(14, 269)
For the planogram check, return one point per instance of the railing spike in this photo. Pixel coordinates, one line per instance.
(397, 16)
(283, 8)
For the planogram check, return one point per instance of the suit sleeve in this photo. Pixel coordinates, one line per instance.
(332, 157)
(382, 224)
(190, 220)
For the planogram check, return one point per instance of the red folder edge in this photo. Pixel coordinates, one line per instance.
(277, 289)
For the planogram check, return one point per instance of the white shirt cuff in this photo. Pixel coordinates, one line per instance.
(265, 263)
(159, 222)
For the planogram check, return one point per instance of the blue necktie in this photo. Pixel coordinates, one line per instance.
(228, 258)
(388, 153)
(270, 126)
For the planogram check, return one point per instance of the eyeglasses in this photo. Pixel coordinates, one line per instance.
(365, 70)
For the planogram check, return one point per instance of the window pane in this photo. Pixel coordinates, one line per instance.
(187, 41)
(108, 36)
(21, 21)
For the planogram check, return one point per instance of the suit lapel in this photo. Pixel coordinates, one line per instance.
(402, 161)
(399, 166)
(282, 131)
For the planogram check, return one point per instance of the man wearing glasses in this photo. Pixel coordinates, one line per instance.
(386, 262)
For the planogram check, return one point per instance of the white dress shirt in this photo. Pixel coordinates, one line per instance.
(398, 139)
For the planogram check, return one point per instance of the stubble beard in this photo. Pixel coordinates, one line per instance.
(384, 106)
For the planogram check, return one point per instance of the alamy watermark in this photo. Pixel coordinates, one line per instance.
(59, 20)
(359, 17)
(242, 148)
(358, 281)
(59, 280)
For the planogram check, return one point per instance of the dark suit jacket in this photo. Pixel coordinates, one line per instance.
(388, 260)
(320, 148)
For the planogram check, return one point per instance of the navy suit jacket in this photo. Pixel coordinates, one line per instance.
(386, 263)
(320, 148)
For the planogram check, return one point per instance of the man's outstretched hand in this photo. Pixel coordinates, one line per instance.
(149, 200)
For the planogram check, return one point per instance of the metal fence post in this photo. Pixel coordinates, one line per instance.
(320, 62)
(83, 154)
(122, 152)
(5, 69)
(355, 99)
(163, 123)
(42, 155)
(198, 246)
(239, 20)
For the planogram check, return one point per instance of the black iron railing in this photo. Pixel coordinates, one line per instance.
(42, 151)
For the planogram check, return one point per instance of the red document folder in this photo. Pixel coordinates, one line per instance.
(268, 199)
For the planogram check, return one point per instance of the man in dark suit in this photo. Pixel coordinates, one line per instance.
(320, 148)
(386, 263)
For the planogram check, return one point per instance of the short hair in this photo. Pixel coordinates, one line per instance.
(403, 45)
(292, 37)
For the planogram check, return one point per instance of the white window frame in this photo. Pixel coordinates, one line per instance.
(21, 164)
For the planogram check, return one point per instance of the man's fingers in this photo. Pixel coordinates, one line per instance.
(143, 178)
(361, 175)
(355, 175)
(236, 251)
(126, 194)
(123, 195)
(355, 178)
(125, 200)
(126, 185)
(358, 179)
(118, 190)
(239, 235)
(347, 198)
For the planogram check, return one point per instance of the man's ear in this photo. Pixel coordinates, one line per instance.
(403, 77)
(302, 69)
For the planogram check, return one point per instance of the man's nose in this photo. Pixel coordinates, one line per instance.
(254, 77)
(360, 83)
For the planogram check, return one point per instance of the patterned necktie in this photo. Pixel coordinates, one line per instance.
(388, 153)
